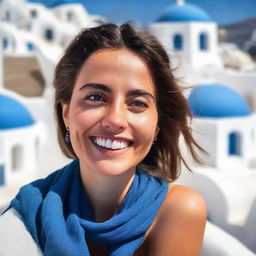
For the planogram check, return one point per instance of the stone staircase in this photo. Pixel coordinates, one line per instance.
(23, 75)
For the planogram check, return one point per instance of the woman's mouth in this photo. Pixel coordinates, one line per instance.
(112, 144)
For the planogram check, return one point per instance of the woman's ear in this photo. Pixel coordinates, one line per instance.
(65, 113)
(157, 131)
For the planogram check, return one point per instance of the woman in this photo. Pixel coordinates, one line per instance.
(120, 114)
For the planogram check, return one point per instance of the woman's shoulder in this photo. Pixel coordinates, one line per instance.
(182, 204)
(15, 237)
(179, 225)
(184, 200)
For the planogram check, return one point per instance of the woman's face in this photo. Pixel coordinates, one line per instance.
(112, 115)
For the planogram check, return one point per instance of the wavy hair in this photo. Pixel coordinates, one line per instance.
(165, 157)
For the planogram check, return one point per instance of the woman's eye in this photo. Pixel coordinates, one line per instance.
(139, 104)
(95, 97)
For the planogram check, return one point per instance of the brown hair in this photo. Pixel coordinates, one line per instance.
(164, 158)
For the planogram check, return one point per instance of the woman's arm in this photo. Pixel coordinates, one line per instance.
(180, 224)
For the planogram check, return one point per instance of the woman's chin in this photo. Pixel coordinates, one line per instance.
(107, 168)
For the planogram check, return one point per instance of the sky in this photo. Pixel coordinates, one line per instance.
(147, 11)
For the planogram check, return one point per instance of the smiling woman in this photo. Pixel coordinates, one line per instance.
(120, 114)
(113, 103)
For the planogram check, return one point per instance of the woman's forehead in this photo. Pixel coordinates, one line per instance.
(121, 56)
(115, 64)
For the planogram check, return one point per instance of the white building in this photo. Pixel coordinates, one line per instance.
(226, 126)
(21, 139)
(189, 35)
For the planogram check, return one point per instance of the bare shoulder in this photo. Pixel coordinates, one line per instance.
(179, 226)
(184, 200)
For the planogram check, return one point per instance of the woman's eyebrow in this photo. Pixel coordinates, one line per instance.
(102, 87)
(139, 92)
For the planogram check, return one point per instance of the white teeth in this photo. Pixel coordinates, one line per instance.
(108, 144)
(98, 141)
(115, 144)
(123, 145)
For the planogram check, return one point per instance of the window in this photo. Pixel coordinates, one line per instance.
(178, 42)
(69, 16)
(33, 13)
(1, 175)
(234, 145)
(30, 47)
(16, 158)
(5, 43)
(49, 34)
(203, 41)
(13, 45)
(29, 27)
(8, 15)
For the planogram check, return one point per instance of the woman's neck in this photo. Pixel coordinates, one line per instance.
(106, 193)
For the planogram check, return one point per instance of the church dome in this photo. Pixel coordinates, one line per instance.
(54, 3)
(217, 101)
(13, 114)
(184, 13)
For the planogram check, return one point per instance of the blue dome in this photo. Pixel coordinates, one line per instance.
(13, 114)
(184, 13)
(54, 3)
(217, 101)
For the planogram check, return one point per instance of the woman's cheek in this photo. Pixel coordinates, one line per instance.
(146, 121)
(87, 118)
(144, 127)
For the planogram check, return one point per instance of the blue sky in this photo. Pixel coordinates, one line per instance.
(222, 11)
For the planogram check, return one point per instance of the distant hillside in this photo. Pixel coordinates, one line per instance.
(238, 32)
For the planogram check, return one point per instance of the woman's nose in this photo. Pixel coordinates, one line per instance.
(115, 119)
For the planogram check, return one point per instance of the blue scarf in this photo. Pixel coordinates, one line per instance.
(57, 213)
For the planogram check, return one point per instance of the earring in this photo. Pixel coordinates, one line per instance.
(67, 136)
(155, 139)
